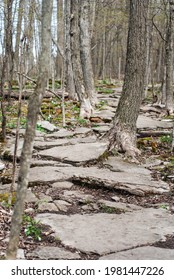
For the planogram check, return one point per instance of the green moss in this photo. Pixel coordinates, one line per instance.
(5, 196)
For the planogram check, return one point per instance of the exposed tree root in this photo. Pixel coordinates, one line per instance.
(123, 140)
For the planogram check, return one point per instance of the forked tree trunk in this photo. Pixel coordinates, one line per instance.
(123, 133)
(33, 110)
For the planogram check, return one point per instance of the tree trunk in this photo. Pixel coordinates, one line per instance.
(123, 132)
(169, 61)
(85, 106)
(70, 86)
(18, 33)
(7, 63)
(85, 51)
(33, 110)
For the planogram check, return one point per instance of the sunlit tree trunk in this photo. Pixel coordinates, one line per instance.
(123, 133)
(85, 105)
(85, 51)
(33, 110)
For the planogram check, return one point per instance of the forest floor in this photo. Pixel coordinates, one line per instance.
(83, 204)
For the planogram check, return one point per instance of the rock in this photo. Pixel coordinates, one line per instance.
(53, 253)
(90, 207)
(151, 162)
(147, 122)
(47, 206)
(101, 129)
(6, 188)
(78, 195)
(105, 115)
(29, 210)
(40, 174)
(20, 254)
(89, 139)
(44, 198)
(47, 126)
(44, 163)
(79, 154)
(142, 253)
(82, 130)
(138, 184)
(122, 207)
(2, 165)
(42, 145)
(10, 150)
(116, 198)
(117, 164)
(103, 233)
(62, 185)
(62, 205)
(62, 133)
(30, 197)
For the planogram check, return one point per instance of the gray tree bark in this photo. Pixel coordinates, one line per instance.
(33, 111)
(7, 63)
(169, 59)
(85, 105)
(18, 32)
(70, 86)
(85, 51)
(123, 133)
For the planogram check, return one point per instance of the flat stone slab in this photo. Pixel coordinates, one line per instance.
(148, 122)
(30, 197)
(138, 184)
(47, 206)
(119, 165)
(142, 253)
(101, 129)
(43, 145)
(109, 233)
(64, 133)
(62, 205)
(79, 154)
(19, 149)
(78, 195)
(105, 115)
(123, 207)
(53, 253)
(62, 185)
(47, 125)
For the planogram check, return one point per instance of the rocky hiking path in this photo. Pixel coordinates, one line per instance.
(94, 209)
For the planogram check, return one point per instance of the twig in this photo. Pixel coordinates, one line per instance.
(154, 24)
(59, 48)
(47, 89)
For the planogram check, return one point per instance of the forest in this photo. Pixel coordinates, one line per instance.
(86, 129)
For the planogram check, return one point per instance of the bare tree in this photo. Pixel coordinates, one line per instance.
(7, 62)
(18, 32)
(123, 132)
(70, 86)
(33, 110)
(85, 51)
(169, 58)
